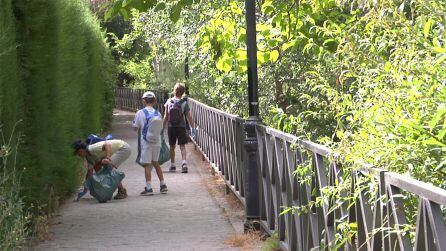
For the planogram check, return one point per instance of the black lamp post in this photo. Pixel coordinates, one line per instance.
(251, 144)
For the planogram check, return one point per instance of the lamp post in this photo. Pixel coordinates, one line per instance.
(251, 144)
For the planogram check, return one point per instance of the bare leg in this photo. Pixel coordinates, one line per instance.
(172, 154)
(158, 170)
(183, 151)
(148, 172)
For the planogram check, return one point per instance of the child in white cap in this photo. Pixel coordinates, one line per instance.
(149, 124)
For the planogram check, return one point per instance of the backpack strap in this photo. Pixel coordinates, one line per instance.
(146, 126)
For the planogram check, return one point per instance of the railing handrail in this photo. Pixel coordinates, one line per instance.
(226, 114)
(309, 145)
(424, 189)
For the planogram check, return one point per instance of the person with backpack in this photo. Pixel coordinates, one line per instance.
(149, 124)
(176, 109)
(106, 152)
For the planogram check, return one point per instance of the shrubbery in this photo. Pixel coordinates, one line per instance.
(56, 77)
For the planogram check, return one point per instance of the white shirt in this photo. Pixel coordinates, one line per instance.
(155, 127)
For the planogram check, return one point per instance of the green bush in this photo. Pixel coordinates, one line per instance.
(57, 77)
(14, 219)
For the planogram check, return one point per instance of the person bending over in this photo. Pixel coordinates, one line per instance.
(109, 152)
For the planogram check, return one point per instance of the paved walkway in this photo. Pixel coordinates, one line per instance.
(187, 218)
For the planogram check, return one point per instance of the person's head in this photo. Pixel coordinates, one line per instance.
(80, 148)
(149, 98)
(179, 89)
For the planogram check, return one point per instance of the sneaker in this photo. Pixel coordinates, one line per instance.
(163, 189)
(184, 168)
(147, 192)
(172, 169)
(122, 194)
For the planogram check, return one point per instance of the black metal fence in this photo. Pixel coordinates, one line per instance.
(333, 207)
(372, 209)
(220, 138)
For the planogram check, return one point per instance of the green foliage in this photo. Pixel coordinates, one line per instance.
(57, 76)
(11, 85)
(366, 78)
(125, 7)
(271, 243)
(14, 219)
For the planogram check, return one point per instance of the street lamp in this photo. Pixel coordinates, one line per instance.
(251, 144)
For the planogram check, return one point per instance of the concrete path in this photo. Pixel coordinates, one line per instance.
(187, 218)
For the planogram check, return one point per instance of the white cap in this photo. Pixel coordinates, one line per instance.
(148, 95)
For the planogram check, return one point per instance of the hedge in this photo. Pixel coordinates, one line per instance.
(56, 77)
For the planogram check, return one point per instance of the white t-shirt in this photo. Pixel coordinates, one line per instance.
(155, 127)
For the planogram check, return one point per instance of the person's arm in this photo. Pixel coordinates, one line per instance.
(108, 152)
(89, 171)
(136, 122)
(166, 117)
(190, 119)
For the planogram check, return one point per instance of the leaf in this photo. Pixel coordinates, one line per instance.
(224, 63)
(438, 116)
(241, 55)
(175, 13)
(427, 27)
(149, 4)
(274, 55)
(286, 210)
(242, 66)
(242, 35)
(186, 2)
(262, 57)
(434, 142)
(438, 49)
(387, 66)
(440, 60)
(288, 45)
(124, 13)
(160, 6)
(114, 10)
(125, 3)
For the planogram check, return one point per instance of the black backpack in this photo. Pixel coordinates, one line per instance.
(176, 114)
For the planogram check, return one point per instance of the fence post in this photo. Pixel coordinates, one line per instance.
(251, 144)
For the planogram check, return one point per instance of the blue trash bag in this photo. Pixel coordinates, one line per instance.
(104, 183)
(164, 153)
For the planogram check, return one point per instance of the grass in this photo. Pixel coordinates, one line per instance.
(15, 221)
(245, 241)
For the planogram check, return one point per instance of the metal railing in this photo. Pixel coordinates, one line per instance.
(220, 139)
(371, 214)
(130, 99)
(373, 208)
